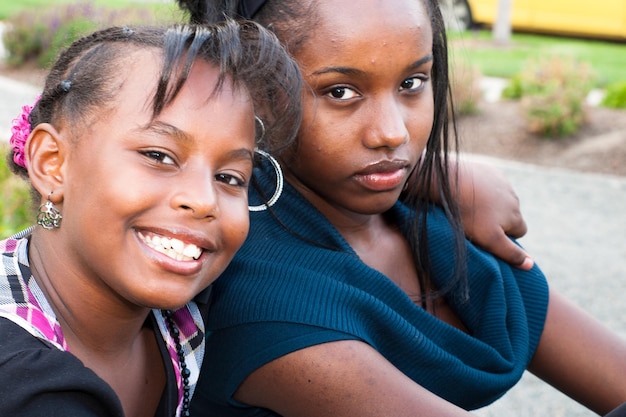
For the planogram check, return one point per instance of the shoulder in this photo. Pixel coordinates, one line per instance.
(46, 381)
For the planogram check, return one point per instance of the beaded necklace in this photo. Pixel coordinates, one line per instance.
(184, 370)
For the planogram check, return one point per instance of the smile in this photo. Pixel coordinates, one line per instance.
(172, 247)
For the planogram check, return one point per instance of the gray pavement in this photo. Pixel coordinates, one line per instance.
(12, 97)
(577, 234)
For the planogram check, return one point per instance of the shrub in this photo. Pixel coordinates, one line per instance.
(555, 114)
(514, 90)
(40, 34)
(521, 85)
(465, 85)
(553, 93)
(24, 39)
(15, 200)
(615, 96)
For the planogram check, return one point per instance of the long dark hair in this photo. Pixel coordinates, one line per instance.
(292, 21)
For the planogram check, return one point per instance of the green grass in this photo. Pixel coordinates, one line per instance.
(165, 8)
(607, 59)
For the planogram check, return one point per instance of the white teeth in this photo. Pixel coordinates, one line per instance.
(174, 248)
(192, 251)
(177, 245)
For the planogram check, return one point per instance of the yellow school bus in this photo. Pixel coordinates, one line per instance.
(588, 18)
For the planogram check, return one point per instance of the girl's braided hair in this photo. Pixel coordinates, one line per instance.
(86, 77)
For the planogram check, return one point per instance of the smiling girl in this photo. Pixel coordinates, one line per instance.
(140, 150)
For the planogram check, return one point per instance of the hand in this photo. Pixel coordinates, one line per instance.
(491, 213)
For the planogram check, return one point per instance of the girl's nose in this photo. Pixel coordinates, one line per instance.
(197, 195)
(387, 125)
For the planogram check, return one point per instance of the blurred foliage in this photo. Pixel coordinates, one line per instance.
(465, 85)
(615, 96)
(63, 37)
(553, 93)
(15, 199)
(39, 34)
(10, 8)
(494, 60)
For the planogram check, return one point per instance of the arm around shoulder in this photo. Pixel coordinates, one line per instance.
(490, 210)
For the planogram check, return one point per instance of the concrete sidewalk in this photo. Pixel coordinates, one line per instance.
(13, 96)
(577, 234)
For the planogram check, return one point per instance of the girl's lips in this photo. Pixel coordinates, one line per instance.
(383, 175)
(382, 181)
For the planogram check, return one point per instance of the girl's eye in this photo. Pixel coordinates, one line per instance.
(159, 157)
(413, 84)
(342, 93)
(230, 180)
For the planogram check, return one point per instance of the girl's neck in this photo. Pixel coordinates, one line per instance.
(115, 341)
(90, 319)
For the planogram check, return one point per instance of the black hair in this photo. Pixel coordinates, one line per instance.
(86, 77)
(291, 21)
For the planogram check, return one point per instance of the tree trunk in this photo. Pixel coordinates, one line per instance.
(502, 26)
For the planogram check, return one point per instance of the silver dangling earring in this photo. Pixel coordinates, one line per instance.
(49, 217)
(279, 183)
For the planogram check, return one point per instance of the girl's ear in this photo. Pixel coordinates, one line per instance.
(46, 151)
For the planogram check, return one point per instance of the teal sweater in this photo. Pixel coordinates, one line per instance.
(299, 283)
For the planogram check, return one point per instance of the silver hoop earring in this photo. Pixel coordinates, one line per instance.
(279, 183)
(49, 217)
(262, 128)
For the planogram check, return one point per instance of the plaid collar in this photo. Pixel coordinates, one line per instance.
(23, 302)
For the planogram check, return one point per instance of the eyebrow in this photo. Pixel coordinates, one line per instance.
(354, 71)
(242, 153)
(422, 61)
(166, 129)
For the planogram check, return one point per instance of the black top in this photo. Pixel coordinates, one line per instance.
(39, 380)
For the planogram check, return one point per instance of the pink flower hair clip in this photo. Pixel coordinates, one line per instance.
(20, 130)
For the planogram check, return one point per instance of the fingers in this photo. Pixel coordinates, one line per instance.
(505, 249)
(513, 224)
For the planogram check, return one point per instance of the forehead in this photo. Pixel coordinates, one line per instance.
(348, 25)
(138, 73)
(368, 30)
(142, 69)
